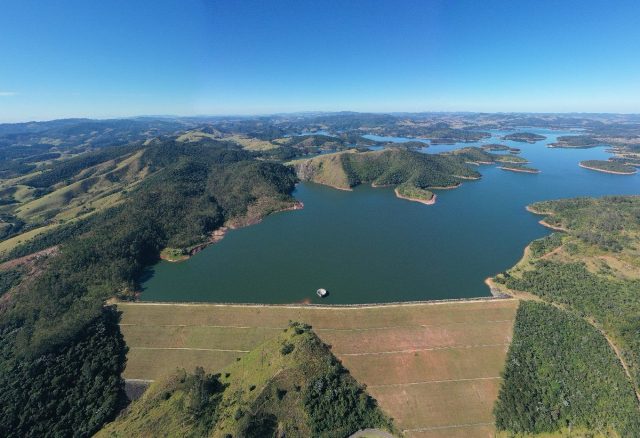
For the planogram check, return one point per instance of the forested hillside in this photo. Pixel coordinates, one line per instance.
(561, 373)
(409, 171)
(591, 273)
(188, 191)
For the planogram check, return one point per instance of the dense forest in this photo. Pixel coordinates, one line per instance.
(590, 272)
(192, 190)
(561, 374)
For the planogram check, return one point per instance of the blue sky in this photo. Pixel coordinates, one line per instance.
(113, 58)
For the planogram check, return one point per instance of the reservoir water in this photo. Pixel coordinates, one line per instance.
(368, 246)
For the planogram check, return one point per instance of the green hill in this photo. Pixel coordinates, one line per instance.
(289, 386)
(575, 362)
(409, 170)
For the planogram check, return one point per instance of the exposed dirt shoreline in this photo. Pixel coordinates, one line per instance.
(218, 234)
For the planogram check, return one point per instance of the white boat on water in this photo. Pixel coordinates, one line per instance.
(322, 293)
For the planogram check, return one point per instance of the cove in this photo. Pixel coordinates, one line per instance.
(367, 246)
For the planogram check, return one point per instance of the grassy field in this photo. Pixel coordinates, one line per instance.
(434, 367)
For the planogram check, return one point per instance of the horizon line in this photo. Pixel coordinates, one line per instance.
(308, 112)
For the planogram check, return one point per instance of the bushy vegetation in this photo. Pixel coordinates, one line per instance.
(540, 247)
(613, 303)
(561, 373)
(337, 407)
(612, 222)
(9, 279)
(411, 192)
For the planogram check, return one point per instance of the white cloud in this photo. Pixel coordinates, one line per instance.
(7, 93)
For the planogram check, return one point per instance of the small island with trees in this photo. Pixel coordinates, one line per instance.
(516, 167)
(496, 147)
(524, 137)
(605, 166)
(575, 142)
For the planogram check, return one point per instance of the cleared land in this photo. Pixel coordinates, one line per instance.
(434, 367)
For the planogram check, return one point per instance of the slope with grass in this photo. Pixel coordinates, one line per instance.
(291, 385)
(411, 173)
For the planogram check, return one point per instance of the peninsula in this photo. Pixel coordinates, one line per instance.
(613, 167)
(411, 173)
(515, 167)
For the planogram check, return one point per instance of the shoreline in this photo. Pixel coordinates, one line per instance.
(480, 163)
(218, 234)
(496, 292)
(543, 222)
(422, 201)
(445, 187)
(470, 178)
(553, 227)
(607, 171)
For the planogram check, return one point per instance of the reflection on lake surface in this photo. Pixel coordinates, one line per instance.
(369, 246)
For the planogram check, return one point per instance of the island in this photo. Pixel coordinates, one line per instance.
(496, 147)
(524, 137)
(613, 167)
(514, 167)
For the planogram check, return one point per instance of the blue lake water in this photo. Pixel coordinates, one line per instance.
(369, 246)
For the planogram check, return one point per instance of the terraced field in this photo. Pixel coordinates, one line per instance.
(434, 367)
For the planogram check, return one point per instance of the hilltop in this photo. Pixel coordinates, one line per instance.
(411, 173)
(291, 385)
